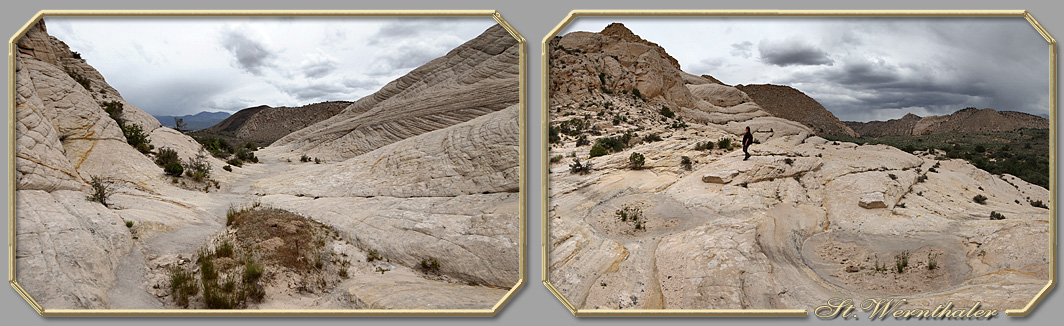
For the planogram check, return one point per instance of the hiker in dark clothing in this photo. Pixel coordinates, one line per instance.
(748, 139)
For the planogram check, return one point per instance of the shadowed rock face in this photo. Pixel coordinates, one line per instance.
(791, 104)
(966, 120)
(476, 78)
(802, 221)
(264, 125)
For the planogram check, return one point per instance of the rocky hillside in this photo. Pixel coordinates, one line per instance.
(196, 121)
(68, 248)
(651, 205)
(476, 78)
(264, 124)
(969, 120)
(791, 104)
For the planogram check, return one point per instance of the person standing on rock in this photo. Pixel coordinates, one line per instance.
(748, 139)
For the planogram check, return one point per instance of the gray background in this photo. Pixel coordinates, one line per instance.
(533, 304)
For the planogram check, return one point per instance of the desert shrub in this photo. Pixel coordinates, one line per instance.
(372, 255)
(598, 150)
(246, 155)
(317, 161)
(582, 141)
(129, 224)
(685, 162)
(892, 176)
(165, 156)
(666, 112)
(979, 199)
(788, 161)
(553, 135)
(174, 168)
(182, 285)
(556, 159)
(703, 146)
(996, 216)
(652, 138)
(633, 215)
(577, 167)
(1038, 203)
(724, 143)
(901, 261)
(101, 190)
(228, 168)
(635, 91)
(224, 249)
(114, 110)
(921, 178)
(136, 137)
(932, 262)
(235, 161)
(304, 158)
(636, 161)
(430, 266)
(198, 168)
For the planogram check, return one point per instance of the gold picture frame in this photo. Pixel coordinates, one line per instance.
(522, 152)
(545, 125)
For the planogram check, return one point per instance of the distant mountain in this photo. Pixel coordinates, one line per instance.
(791, 104)
(264, 124)
(966, 120)
(195, 121)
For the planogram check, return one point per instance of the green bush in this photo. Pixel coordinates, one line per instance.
(582, 141)
(555, 159)
(235, 161)
(724, 143)
(174, 169)
(182, 285)
(703, 146)
(685, 163)
(666, 112)
(1038, 203)
(101, 191)
(136, 137)
(652, 138)
(996, 216)
(372, 255)
(114, 110)
(636, 161)
(430, 266)
(577, 167)
(901, 261)
(304, 158)
(598, 150)
(129, 224)
(198, 168)
(979, 199)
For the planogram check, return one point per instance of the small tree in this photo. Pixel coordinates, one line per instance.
(101, 191)
(636, 161)
(180, 124)
(685, 163)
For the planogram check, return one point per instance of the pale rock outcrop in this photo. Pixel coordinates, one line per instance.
(476, 156)
(67, 248)
(476, 78)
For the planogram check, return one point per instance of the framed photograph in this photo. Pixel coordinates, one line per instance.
(267, 162)
(844, 164)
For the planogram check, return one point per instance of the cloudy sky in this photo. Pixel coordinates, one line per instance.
(864, 69)
(177, 66)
